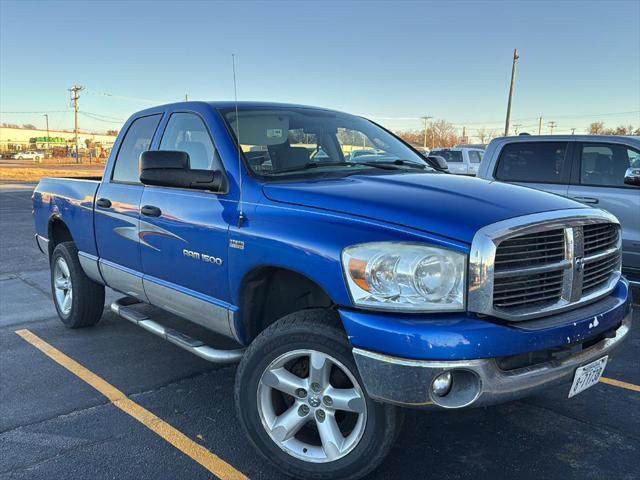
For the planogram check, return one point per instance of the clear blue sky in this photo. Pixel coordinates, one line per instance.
(393, 61)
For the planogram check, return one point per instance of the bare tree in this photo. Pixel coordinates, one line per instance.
(439, 134)
(596, 128)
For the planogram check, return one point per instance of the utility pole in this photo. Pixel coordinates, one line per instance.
(464, 134)
(573, 131)
(186, 97)
(552, 125)
(511, 88)
(516, 126)
(426, 119)
(540, 126)
(75, 96)
(48, 145)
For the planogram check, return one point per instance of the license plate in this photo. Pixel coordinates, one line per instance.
(587, 376)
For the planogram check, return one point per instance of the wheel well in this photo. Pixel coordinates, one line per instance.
(270, 293)
(58, 232)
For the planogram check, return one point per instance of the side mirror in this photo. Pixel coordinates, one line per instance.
(168, 168)
(632, 176)
(440, 162)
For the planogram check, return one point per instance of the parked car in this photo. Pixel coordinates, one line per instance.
(351, 289)
(28, 155)
(595, 170)
(481, 146)
(462, 161)
(356, 154)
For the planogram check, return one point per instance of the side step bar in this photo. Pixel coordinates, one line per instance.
(122, 308)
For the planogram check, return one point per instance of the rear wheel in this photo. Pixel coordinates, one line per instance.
(301, 400)
(79, 300)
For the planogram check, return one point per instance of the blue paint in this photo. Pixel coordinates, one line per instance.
(463, 336)
(303, 226)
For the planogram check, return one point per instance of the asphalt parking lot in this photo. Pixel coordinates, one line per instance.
(53, 424)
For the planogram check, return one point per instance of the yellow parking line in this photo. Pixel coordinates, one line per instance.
(618, 383)
(197, 452)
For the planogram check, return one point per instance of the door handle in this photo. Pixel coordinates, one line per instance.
(151, 211)
(587, 200)
(103, 203)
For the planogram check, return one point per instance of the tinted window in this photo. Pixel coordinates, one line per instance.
(541, 162)
(451, 156)
(605, 164)
(186, 132)
(474, 157)
(136, 140)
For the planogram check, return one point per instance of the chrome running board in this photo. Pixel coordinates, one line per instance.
(122, 308)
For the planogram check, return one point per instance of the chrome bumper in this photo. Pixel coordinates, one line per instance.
(475, 382)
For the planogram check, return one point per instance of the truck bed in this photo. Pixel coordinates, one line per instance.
(70, 200)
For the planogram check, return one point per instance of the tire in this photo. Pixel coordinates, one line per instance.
(19, 158)
(368, 431)
(82, 302)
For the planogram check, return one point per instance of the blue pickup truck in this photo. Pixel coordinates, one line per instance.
(350, 287)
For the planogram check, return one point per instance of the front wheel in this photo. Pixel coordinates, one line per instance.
(301, 401)
(79, 300)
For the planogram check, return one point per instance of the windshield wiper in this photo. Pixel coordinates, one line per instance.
(311, 165)
(399, 162)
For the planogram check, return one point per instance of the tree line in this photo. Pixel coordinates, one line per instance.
(441, 133)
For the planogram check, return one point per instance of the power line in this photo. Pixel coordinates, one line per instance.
(587, 115)
(88, 115)
(40, 111)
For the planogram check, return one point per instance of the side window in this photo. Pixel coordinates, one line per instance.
(605, 164)
(136, 140)
(539, 162)
(186, 132)
(634, 157)
(474, 157)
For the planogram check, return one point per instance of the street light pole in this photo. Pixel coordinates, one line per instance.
(511, 88)
(48, 145)
(426, 119)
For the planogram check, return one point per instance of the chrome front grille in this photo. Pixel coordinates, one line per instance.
(602, 257)
(551, 263)
(599, 237)
(541, 288)
(530, 250)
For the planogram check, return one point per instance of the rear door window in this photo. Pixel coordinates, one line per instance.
(136, 140)
(604, 165)
(474, 157)
(536, 162)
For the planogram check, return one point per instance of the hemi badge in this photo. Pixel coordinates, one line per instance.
(239, 244)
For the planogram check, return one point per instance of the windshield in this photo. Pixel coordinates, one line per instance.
(451, 156)
(277, 142)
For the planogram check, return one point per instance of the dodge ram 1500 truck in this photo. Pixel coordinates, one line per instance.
(352, 288)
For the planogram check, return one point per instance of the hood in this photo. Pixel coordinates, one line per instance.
(447, 205)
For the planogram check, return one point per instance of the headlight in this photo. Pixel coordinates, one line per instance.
(405, 276)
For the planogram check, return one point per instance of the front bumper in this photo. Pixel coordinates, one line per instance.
(480, 380)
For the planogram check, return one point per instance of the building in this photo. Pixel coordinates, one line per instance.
(16, 139)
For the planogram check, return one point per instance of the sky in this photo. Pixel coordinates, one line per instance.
(391, 61)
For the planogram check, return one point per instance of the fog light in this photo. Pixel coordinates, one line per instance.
(442, 384)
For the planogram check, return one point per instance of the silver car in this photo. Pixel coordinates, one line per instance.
(601, 171)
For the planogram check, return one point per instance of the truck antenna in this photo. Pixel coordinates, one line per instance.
(235, 93)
